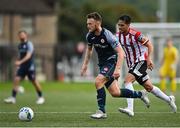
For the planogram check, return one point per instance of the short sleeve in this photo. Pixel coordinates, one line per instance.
(139, 36)
(30, 47)
(111, 39)
(88, 40)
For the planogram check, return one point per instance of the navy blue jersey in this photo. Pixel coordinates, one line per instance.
(23, 48)
(104, 44)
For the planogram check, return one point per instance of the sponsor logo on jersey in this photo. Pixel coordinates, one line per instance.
(100, 46)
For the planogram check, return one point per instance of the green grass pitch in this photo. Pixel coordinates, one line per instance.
(71, 104)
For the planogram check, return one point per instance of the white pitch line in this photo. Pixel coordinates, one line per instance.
(87, 112)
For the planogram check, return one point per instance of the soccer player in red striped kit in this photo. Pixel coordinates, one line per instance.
(138, 50)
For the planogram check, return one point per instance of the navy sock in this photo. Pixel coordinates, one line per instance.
(14, 93)
(101, 99)
(39, 93)
(107, 84)
(130, 94)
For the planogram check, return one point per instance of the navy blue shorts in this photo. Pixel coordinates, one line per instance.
(107, 69)
(23, 71)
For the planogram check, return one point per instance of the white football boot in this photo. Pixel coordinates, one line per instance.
(10, 100)
(172, 104)
(127, 111)
(99, 115)
(145, 98)
(40, 100)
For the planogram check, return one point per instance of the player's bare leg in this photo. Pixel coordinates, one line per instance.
(158, 93)
(12, 99)
(115, 91)
(101, 97)
(37, 86)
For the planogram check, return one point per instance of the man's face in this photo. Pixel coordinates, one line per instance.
(169, 43)
(22, 36)
(123, 27)
(92, 24)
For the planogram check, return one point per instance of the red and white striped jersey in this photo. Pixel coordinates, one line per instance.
(133, 46)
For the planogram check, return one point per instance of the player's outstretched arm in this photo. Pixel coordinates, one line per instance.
(120, 59)
(149, 45)
(87, 57)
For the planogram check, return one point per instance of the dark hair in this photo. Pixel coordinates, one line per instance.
(125, 18)
(95, 16)
(22, 31)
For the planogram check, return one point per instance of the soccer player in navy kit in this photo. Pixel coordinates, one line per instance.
(110, 57)
(25, 67)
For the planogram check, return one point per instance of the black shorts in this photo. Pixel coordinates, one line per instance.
(139, 71)
(23, 71)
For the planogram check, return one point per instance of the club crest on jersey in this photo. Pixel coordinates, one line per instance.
(102, 40)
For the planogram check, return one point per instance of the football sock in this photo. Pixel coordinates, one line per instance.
(101, 99)
(14, 93)
(108, 84)
(130, 101)
(39, 93)
(173, 85)
(158, 93)
(163, 84)
(130, 94)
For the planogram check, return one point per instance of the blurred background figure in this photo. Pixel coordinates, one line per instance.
(25, 67)
(168, 66)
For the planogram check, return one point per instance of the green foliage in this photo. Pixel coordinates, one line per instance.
(72, 14)
(72, 17)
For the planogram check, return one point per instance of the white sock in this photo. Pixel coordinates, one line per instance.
(130, 101)
(158, 93)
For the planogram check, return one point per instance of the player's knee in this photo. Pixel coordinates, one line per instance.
(33, 81)
(98, 82)
(115, 94)
(128, 81)
(148, 88)
(162, 77)
(172, 78)
(17, 79)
